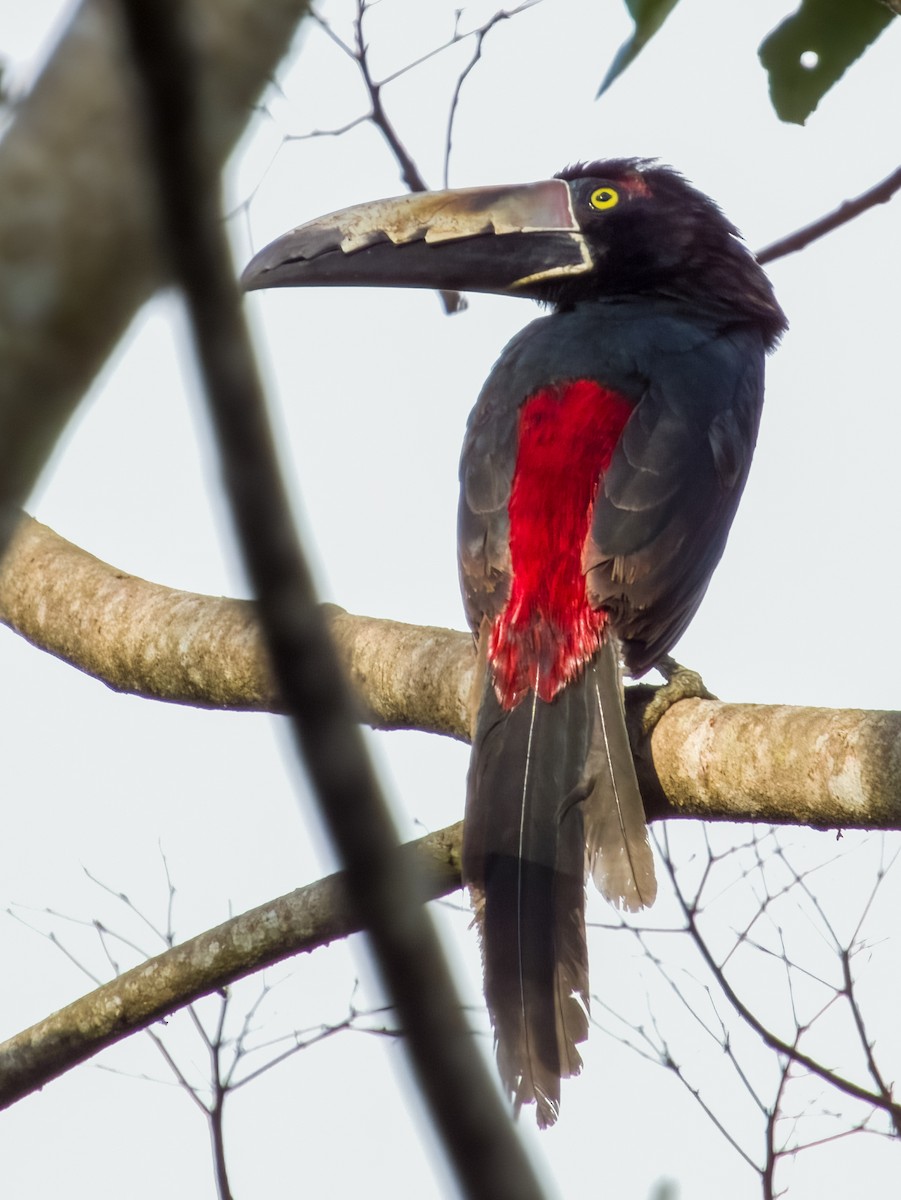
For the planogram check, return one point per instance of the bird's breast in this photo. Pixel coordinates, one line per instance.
(547, 630)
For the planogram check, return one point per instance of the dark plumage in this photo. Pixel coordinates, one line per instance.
(676, 319)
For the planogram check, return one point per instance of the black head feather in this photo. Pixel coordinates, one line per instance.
(664, 237)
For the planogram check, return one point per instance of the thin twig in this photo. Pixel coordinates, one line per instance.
(220, 1093)
(767, 1036)
(359, 54)
(885, 1089)
(322, 133)
(408, 168)
(180, 1078)
(773, 1154)
(880, 193)
(479, 34)
(125, 899)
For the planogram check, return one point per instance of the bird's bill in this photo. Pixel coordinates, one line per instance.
(491, 239)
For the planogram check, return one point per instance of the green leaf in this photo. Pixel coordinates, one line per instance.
(812, 49)
(648, 16)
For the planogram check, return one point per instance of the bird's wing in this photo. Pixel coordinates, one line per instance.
(666, 504)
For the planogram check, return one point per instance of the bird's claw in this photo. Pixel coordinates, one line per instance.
(682, 683)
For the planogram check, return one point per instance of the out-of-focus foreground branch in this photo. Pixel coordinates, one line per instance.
(383, 886)
(78, 245)
(836, 768)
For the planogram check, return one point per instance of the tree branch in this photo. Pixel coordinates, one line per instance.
(383, 886)
(790, 1050)
(826, 768)
(307, 918)
(148, 640)
(830, 768)
(881, 193)
(78, 247)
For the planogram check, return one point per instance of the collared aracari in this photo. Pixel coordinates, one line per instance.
(601, 470)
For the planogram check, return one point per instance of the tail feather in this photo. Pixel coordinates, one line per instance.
(619, 852)
(539, 789)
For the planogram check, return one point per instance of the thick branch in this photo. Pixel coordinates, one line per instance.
(822, 767)
(148, 640)
(307, 918)
(830, 768)
(78, 253)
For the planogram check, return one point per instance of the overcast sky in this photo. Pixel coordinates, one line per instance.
(370, 394)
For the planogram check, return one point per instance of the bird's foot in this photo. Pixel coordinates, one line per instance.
(681, 684)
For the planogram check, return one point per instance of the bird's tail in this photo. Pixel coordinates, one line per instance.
(616, 833)
(551, 792)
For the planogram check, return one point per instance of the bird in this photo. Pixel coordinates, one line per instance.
(601, 470)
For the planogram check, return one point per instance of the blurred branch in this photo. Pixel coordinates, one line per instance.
(837, 768)
(78, 243)
(383, 886)
(881, 193)
(305, 919)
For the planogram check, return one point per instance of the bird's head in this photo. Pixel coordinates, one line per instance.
(620, 227)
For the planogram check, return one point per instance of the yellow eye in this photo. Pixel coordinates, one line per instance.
(604, 197)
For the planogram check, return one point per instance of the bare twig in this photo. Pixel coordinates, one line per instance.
(771, 1161)
(180, 1078)
(884, 1088)
(479, 34)
(217, 1105)
(768, 858)
(452, 301)
(305, 919)
(789, 1050)
(312, 134)
(880, 193)
(225, 1054)
(359, 54)
(408, 168)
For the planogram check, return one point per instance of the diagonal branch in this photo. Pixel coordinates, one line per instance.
(383, 886)
(880, 193)
(789, 1050)
(884, 1088)
(307, 918)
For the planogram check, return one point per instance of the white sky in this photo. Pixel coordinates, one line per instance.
(371, 392)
